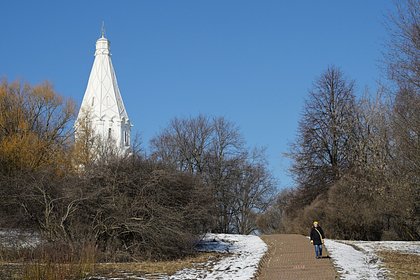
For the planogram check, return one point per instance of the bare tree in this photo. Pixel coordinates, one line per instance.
(405, 175)
(320, 154)
(403, 55)
(85, 149)
(384, 179)
(254, 190)
(403, 64)
(372, 148)
(214, 149)
(225, 157)
(184, 143)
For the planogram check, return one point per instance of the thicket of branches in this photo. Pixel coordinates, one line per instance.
(131, 209)
(144, 209)
(238, 180)
(356, 162)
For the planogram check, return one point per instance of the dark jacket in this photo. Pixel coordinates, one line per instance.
(317, 234)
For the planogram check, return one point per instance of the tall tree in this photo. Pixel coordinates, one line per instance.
(403, 61)
(35, 125)
(403, 55)
(372, 148)
(184, 143)
(320, 154)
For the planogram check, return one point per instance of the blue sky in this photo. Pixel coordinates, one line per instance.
(252, 62)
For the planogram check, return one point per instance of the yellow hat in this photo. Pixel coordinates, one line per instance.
(315, 222)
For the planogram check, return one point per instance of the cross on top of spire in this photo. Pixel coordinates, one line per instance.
(103, 30)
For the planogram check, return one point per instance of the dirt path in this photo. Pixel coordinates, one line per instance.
(291, 256)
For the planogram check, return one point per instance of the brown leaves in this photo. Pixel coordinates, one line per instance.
(34, 125)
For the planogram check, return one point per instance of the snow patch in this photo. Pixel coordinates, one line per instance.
(359, 259)
(245, 252)
(19, 239)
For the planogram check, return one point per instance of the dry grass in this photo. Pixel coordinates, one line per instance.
(82, 270)
(401, 266)
(57, 261)
(154, 268)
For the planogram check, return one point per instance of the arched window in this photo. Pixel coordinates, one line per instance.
(93, 101)
(126, 138)
(109, 133)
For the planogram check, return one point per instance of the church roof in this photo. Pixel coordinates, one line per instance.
(102, 97)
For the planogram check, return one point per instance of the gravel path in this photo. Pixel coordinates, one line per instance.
(291, 256)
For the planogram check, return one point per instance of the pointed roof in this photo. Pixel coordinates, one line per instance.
(102, 96)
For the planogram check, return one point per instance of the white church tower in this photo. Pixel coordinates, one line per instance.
(102, 102)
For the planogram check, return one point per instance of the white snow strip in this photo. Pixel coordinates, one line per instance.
(19, 239)
(246, 252)
(359, 260)
(405, 247)
(354, 263)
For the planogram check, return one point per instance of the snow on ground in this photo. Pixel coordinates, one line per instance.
(18, 239)
(359, 260)
(354, 263)
(352, 259)
(399, 246)
(242, 256)
(245, 253)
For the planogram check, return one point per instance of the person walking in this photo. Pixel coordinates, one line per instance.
(317, 239)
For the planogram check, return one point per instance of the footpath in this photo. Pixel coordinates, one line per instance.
(291, 256)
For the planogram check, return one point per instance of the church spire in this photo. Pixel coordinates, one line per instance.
(103, 100)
